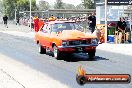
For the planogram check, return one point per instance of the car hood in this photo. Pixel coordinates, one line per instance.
(74, 34)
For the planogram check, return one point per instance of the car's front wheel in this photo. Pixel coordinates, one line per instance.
(56, 53)
(91, 55)
(42, 50)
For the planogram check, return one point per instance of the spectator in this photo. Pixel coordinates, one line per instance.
(17, 21)
(52, 18)
(36, 26)
(5, 18)
(121, 27)
(92, 22)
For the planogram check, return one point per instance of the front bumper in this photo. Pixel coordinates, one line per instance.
(78, 48)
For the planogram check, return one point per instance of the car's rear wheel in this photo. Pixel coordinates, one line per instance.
(56, 53)
(91, 55)
(42, 50)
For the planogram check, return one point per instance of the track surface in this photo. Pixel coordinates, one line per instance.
(24, 50)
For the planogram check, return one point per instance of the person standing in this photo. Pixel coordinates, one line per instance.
(52, 18)
(5, 18)
(36, 21)
(121, 27)
(17, 21)
(92, 22)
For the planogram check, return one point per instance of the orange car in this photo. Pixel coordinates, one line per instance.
(65, 37)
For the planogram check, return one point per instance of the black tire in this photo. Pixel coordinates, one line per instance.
(56, 53)
(42, 50)
(91, 55)
(67, 57)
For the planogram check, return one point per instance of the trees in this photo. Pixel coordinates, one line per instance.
(80, 6)
(58, 4)
(9, 7)
(21, 5)
(88, 4)
(68, 6)
(1, 6)
(43, 5)
(24, 5)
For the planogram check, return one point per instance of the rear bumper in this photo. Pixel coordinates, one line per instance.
(78, 48)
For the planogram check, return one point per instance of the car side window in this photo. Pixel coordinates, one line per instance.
(44, 29)
(48, 28)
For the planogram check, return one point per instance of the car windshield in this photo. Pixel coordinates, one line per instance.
(59, 27)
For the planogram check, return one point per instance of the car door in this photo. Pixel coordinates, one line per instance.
(48, 36)
(54, 35)
(43, 34)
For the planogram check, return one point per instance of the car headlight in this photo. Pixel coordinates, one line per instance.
(64, 43)
(94, 41)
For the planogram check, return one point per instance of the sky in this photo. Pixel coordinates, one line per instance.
(74, 2)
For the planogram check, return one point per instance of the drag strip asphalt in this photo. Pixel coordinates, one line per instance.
(24, 50)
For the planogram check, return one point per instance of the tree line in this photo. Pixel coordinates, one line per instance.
(8, 7)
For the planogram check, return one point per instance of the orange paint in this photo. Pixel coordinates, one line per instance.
(49, 38)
